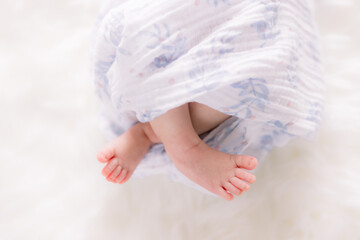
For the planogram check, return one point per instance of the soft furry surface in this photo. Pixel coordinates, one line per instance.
(51, 186)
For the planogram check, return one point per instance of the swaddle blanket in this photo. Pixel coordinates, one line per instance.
(256, 60)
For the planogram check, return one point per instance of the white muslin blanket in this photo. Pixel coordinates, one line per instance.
(256, 60)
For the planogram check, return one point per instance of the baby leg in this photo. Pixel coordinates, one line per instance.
(125, 153)
(216, 171)
(204, 118)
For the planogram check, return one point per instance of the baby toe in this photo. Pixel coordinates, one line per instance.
(114, 174)
(106, 154)
(127, 176)
(232, 189)
(110, 167)
(101, 157)
(122, 176)
(244, 175)
(222, 192)
(244, 161)
(240, 184)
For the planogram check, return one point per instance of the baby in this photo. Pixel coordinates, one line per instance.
(178, 129)
(170, 71)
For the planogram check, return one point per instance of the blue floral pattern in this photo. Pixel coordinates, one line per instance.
(267, 28)
(217, 2)
(254, 93)
(280, 130)
(207, 68)
(314, 111)
(172, 50)
(114, 27)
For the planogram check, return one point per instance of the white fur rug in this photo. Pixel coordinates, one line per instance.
(50, 181)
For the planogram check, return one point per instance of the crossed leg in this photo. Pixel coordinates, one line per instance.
(214, 170)
(178, 130)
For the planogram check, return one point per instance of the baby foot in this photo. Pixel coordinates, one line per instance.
(124, 154)
(220, 173)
